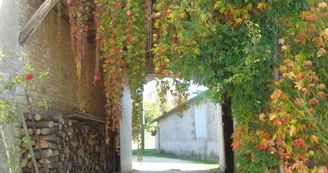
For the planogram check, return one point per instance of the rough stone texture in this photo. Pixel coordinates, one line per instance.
(60, 87)
(176, 134)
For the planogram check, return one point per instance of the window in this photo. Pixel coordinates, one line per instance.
(200, 122)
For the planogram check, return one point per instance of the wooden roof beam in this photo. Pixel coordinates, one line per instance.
(36, 20)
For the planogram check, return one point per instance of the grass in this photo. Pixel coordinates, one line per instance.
(152, 153)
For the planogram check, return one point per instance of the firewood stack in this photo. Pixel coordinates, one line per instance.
(67, 145)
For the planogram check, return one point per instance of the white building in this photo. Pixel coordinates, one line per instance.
(193, 133)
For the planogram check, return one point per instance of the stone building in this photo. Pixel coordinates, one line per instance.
(194, 133)
(46, 52)
(70, 136)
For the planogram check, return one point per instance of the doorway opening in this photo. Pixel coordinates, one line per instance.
(176, 141)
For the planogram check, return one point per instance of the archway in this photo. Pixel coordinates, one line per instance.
(191, 137)
(232, 48)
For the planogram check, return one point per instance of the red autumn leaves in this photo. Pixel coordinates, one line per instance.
(306, 81)
(313, 102)
(264, 144)
(322, 95)
(29, 76)
(299, 143)
(307, 63)
(236, 136)
(95, 79)
(269, 144)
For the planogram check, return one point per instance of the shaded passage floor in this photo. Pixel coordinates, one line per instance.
(157, 165)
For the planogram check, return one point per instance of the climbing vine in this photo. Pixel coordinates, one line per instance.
(111, 33)
(121, 39)
(79, 12)
(136, 61)
(268, 57)
(229, 47)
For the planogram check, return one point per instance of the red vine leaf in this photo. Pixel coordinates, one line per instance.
(29, 76)
(321, 52)
(322, 95)
(276, 123)
(276, 94)
(235, 145)
(311, 110)
(307, 63)
(323, 169)
(95, 79)
(227, 16)
(301, 37)
(313, 102)
(299, 143)
(262, 146)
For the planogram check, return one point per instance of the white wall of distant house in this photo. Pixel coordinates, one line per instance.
(195, 134)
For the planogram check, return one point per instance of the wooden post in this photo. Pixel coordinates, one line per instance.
(36, 20)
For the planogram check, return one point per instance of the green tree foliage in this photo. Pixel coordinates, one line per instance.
(151, 111)
(230, 46)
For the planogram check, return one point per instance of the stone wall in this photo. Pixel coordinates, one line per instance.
(60, 87)
(176, 134)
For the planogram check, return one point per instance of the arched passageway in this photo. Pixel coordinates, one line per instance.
(176, 132)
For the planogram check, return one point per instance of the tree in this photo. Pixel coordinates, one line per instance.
(151, 111)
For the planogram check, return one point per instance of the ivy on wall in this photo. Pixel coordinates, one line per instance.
(121, 44)
(230, 47)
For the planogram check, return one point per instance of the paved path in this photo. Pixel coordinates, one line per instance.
(158, 165)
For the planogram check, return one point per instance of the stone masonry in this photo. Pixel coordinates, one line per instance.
(60, 87)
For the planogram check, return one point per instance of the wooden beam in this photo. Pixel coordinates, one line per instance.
(36, 20)
(85, 116)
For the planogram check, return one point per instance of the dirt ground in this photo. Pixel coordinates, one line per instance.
(158, 165)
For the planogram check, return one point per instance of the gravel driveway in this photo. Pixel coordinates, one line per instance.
(158, 165)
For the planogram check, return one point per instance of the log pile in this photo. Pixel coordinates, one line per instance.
(67, 145)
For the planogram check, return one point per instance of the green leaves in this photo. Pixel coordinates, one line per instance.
(228, 47)
(218, 4)
(42, 76)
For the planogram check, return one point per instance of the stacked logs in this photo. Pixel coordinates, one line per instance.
(67, 145)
